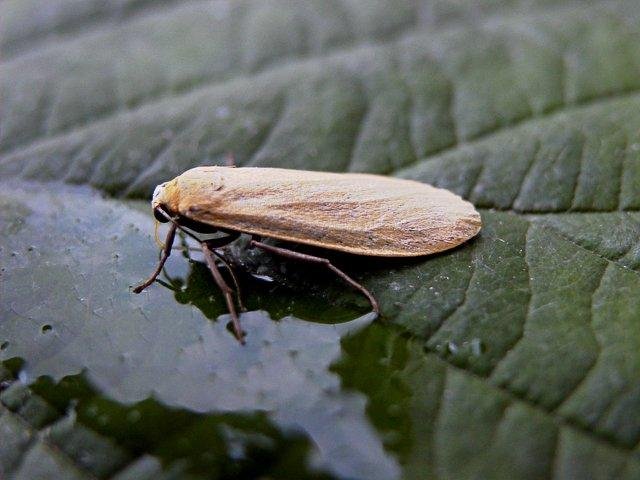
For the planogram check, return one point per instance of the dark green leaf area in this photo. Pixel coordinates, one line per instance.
(444, 422)
(539, 308)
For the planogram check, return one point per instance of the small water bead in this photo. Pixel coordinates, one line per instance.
(133, 416)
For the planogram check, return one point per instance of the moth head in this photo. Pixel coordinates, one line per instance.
(159, 203)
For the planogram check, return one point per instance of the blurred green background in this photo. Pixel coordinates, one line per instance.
(515, 356)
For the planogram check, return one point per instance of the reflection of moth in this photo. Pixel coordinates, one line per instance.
(355, 213)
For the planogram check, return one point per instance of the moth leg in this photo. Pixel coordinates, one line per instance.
(236, 284)
(166, 251)
(284, 252)
(254, 238)
(220, 242)
(210, 258)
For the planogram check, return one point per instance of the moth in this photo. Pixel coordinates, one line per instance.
(361, 214)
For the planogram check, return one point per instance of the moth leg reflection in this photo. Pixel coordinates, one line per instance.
(284, 252)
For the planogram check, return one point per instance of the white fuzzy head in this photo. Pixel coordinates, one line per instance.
(157, 195)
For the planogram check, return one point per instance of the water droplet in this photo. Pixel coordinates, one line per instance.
(91, 411)
(133, 416)
(392, 437)
(477, 347)
(124, 357)
(394, 410)
(23, 376)
(223, 112)
(264, 278)
(46, 328)
(208, 457)
(4, 345)
(103, 419)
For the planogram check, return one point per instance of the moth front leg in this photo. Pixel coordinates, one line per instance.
(166, 251)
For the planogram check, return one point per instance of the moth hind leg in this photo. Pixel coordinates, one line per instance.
(285, 252)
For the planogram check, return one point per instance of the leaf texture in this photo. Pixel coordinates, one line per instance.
(514, 356)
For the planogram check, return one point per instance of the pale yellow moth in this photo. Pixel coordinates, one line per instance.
(356, 213)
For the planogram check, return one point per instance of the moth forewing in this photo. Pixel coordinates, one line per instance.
(355, 213)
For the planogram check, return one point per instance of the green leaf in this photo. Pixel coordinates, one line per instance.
(512, 356)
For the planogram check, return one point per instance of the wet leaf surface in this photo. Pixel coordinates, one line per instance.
(512, 356)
